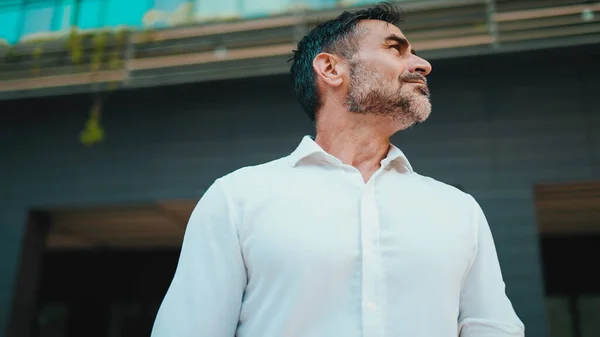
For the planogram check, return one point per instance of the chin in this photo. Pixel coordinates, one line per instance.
(420, 109)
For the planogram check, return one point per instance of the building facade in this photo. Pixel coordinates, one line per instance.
(515, 110)
(500, 125)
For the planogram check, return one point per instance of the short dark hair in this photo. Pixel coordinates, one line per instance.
(337, 36)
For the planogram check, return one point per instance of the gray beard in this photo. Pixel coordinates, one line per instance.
(369, 94)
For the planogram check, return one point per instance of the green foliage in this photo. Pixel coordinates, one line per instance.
(102, 50)
(100, 41)
(115, 61)
(148, 36)
(37, 56)
(93, 132)
(11, 55)
(75, 47)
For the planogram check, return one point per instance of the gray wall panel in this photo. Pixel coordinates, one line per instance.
(12, 225)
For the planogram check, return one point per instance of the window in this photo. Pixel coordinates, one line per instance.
(128, 13)
(170, 6)
(63, 15)
(589, 315)
(206, 10)
(33, 18)
(52, 320)
(10, 18)
(559, 316)
(38, 17)
(574, 315)
(90, 14)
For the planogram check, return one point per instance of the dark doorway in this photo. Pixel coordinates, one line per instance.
(97, 271)
(102, 293)
(569, 224)
(572, 285)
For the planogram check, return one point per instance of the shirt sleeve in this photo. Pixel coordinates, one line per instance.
(205, 295)
(485, 310)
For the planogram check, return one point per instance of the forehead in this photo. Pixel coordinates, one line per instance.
(376, 31)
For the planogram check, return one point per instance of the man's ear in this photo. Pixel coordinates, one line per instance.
(329, 69)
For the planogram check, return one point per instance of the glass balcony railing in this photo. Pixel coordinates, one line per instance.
(23, 20)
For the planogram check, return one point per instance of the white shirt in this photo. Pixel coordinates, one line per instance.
(303, 247)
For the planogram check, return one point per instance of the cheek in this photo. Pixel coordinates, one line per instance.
(396, 71)
(390, 76)
(386, 66)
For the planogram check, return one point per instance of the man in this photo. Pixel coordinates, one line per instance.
(342, 238)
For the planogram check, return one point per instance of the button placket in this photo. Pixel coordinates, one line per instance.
(371, 264)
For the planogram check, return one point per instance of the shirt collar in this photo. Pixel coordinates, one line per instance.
(309, 149)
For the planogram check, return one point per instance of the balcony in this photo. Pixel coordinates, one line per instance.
(68, 46)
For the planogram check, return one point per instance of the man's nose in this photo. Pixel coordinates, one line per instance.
(420, 65)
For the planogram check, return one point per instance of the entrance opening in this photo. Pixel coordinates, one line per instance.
(105, 270)
(569, 225)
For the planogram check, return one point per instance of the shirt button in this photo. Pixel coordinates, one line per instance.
(371, 305)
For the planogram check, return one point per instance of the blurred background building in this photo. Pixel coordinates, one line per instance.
(115, 116)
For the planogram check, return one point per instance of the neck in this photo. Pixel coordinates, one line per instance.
(358, 140)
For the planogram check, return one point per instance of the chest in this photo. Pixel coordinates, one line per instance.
(327, 231)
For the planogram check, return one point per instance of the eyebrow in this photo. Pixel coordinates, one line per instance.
(401, 41)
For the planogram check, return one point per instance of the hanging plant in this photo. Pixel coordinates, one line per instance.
(98, 53)
(93, 132)
(37, 56)
(75, 46)
(115, 61)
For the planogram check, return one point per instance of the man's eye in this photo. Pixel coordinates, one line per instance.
(397, 47)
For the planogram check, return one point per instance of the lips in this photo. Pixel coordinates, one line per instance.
(422, 88)
(414, 78)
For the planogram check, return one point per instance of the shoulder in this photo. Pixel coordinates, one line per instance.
(251, 178)
(450, 201)
(445, 192)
